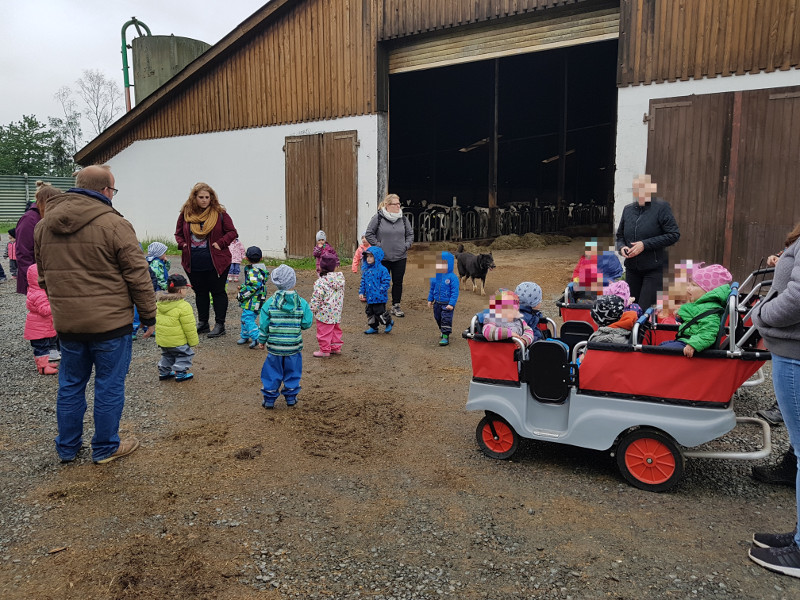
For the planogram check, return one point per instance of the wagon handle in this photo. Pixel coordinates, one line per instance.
(580, 346)
(766, 445)
(639, 322)
(756, 289)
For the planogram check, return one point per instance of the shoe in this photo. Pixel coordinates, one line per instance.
(169, 375)
(43, 365)
(369, 330)
(219, 329)
(774, 540)
(397, 311)
(784, 473)
(183, 376)
(336, 350)
(202, 326)
(321, 354)
(65, 461)
(268, 406)
(126, 446)
(253, 344)
(389, 327)
(291, 403)
(784, 560)
(55, 355)
(771, 415)
(242, 341)
(445, 340)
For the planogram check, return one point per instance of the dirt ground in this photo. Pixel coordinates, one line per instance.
(373, 486)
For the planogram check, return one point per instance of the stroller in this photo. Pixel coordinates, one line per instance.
(650, 406)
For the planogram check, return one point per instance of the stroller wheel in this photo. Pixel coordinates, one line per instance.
(650, 460)
(496, 438)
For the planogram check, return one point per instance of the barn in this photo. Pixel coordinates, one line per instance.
(485, 116)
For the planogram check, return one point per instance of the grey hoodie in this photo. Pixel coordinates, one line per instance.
(778, 320)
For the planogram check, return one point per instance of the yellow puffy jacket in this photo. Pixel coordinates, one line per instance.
(175, 325)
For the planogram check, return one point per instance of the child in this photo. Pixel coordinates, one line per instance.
(326, 304)
(615, 324)
(176, 332)
(237, 254)
(283, 317)
(39, 324)
(504, 320)
(707, 292)
(587, 280)
(323, 247)
(530, 301)
(623, 290)
(359, 251)
(11, 251)
(159, 265)
(251, 296)
(443, 295)
(374, 288)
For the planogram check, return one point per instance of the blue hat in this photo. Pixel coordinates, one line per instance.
(530, 294)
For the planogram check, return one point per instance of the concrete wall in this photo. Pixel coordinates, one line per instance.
(634, 102)
(247, 170)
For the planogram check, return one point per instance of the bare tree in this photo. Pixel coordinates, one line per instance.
(68, 128)
(102, 98)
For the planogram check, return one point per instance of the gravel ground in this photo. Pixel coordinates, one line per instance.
(377, 517)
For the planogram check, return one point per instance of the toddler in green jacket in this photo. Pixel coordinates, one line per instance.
(176, 332)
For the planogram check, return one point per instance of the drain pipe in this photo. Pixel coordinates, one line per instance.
(136, 23)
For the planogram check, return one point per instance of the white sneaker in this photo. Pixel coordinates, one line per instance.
(55, 355)
(397, 311)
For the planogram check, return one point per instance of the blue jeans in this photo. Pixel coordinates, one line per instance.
(110, 360)
(249, 327)
(277, 369)
(136, 321)
(786, 381)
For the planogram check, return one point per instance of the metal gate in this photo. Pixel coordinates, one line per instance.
(321, 191)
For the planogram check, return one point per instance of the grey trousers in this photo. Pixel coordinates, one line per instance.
(178, 359)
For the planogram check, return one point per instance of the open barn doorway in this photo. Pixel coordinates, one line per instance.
(509, 145)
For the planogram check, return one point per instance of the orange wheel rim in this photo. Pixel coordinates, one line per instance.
(650, 461)
(505, 437)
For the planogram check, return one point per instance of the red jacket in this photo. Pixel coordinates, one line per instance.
(39, 322)
(223, 234)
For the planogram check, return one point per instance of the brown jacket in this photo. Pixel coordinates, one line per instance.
(92, 267)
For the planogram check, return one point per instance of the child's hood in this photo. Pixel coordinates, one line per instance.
(333, 281)
(287, 300)
(450, 262)
(719, 295)
(166, 298)
(377, 252)
(33, 277)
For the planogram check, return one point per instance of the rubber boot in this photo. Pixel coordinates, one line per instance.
(44, 367)
(783, 473)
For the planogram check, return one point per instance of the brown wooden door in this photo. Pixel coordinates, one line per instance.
(728, 165)
(321, 191)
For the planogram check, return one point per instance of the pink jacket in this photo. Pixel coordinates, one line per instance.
(237, 251)
(39, 322)
(357, 257)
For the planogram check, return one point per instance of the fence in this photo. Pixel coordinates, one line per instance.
(17, 190)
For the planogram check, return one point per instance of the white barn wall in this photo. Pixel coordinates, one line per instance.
(633, 102)
(247, 170)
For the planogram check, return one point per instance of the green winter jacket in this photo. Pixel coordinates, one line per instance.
(703, 333)
(175, 325)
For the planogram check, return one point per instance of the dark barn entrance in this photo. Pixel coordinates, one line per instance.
(516, 144)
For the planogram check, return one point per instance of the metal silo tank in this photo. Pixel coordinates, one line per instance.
(158, 58)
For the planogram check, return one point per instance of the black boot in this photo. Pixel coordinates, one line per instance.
(784, 473)
(219, 329)
(202, 326)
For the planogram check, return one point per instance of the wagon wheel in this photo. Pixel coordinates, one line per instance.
(650, 460)
(496, 438)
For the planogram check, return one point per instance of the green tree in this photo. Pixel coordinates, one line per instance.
(26, 146)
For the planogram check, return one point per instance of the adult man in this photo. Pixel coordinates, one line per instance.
(93, 269)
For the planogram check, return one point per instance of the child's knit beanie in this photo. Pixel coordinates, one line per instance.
(283, 277)
(253, 254)
(327, 263)
(321, 236)
(607, 310)
(156, 249)
(710, 277)
(621, 289)
(530, 294)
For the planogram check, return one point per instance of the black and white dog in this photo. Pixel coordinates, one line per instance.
(471, 266)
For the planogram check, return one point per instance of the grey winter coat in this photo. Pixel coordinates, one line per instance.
(611, 335)
(778, 320)
(394, 238)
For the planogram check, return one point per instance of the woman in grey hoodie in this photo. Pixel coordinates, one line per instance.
(390, 230)
(778, 322)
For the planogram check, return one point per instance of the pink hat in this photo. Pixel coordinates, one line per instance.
(711, 277)
(621, 289)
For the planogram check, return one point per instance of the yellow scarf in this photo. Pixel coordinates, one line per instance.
(201, 225)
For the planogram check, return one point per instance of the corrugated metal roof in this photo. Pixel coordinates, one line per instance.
(17, 190)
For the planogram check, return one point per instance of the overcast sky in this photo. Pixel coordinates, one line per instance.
(46, 44)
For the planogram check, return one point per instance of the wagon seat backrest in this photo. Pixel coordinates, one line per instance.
(547, 371)
(573, 332)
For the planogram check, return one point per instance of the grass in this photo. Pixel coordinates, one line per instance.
(4, 227)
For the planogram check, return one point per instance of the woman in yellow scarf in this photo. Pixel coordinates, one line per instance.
(203, 233)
